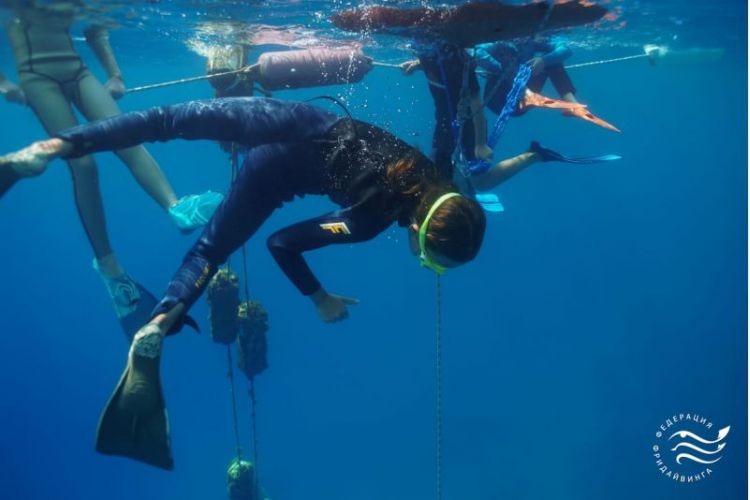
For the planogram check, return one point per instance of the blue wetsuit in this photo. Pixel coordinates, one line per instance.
(294, 149)
(446, 66)
(501, 61)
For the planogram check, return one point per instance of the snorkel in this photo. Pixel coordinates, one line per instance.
(424, 257)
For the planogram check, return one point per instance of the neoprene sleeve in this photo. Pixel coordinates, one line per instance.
(556, 51)
(250, 121)
(335, 228)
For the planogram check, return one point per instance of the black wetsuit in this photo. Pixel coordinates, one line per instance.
(294, 149)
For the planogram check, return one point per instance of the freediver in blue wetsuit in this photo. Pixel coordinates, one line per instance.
(450, 73)
(545, 55)
(460, 135)
(295, 149)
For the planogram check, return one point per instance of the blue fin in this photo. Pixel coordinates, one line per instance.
(195, 210)
(490, 202)
(140, 315)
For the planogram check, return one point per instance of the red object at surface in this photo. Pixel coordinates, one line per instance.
(469, 24)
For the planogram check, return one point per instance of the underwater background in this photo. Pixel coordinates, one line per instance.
(606, 298)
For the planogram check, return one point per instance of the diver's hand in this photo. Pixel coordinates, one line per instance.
(116, 87)
(483, 152)
(32, 160)
(537, 65)
(12, 92)
(409, 67)
(331, 307)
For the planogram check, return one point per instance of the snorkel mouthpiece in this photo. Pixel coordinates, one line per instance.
(424, 257)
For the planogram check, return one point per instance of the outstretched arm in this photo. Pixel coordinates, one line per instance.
(341, 227)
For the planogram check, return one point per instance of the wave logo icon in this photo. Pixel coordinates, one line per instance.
(687, 446)
(705, 449)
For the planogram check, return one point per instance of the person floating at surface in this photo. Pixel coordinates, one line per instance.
(295, 149)
(470, 23)
(53, 78)
(545, 55)
(452, 81)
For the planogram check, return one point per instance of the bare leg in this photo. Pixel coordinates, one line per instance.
(148, 175)
(569, 96)
(481, 149)
(504, 170)
(96, 103)
(89, 204)
(54, 112)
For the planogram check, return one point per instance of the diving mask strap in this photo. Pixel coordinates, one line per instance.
(423, 256)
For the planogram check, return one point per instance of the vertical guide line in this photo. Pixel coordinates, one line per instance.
(244, 272)
(230, 374)
(251, 390)
(255, 437)
(439, 393)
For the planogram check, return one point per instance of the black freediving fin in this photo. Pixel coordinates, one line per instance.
(143, 437)
(8, 177)
(550, 155)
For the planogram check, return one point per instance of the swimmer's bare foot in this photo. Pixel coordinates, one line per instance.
(32, 160)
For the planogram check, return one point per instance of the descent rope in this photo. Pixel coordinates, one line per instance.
(439, 392)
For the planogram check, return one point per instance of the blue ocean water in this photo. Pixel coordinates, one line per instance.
(606, 299)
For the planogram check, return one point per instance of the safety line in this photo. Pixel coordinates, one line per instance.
(438, 392)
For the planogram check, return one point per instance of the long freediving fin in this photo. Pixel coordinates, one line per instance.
(142, 437)
(8, 177)
(531, 99)
(550, 155)
(134, 423)
(585, 114)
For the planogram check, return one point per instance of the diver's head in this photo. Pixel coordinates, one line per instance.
(447, 230)
(222, 65)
